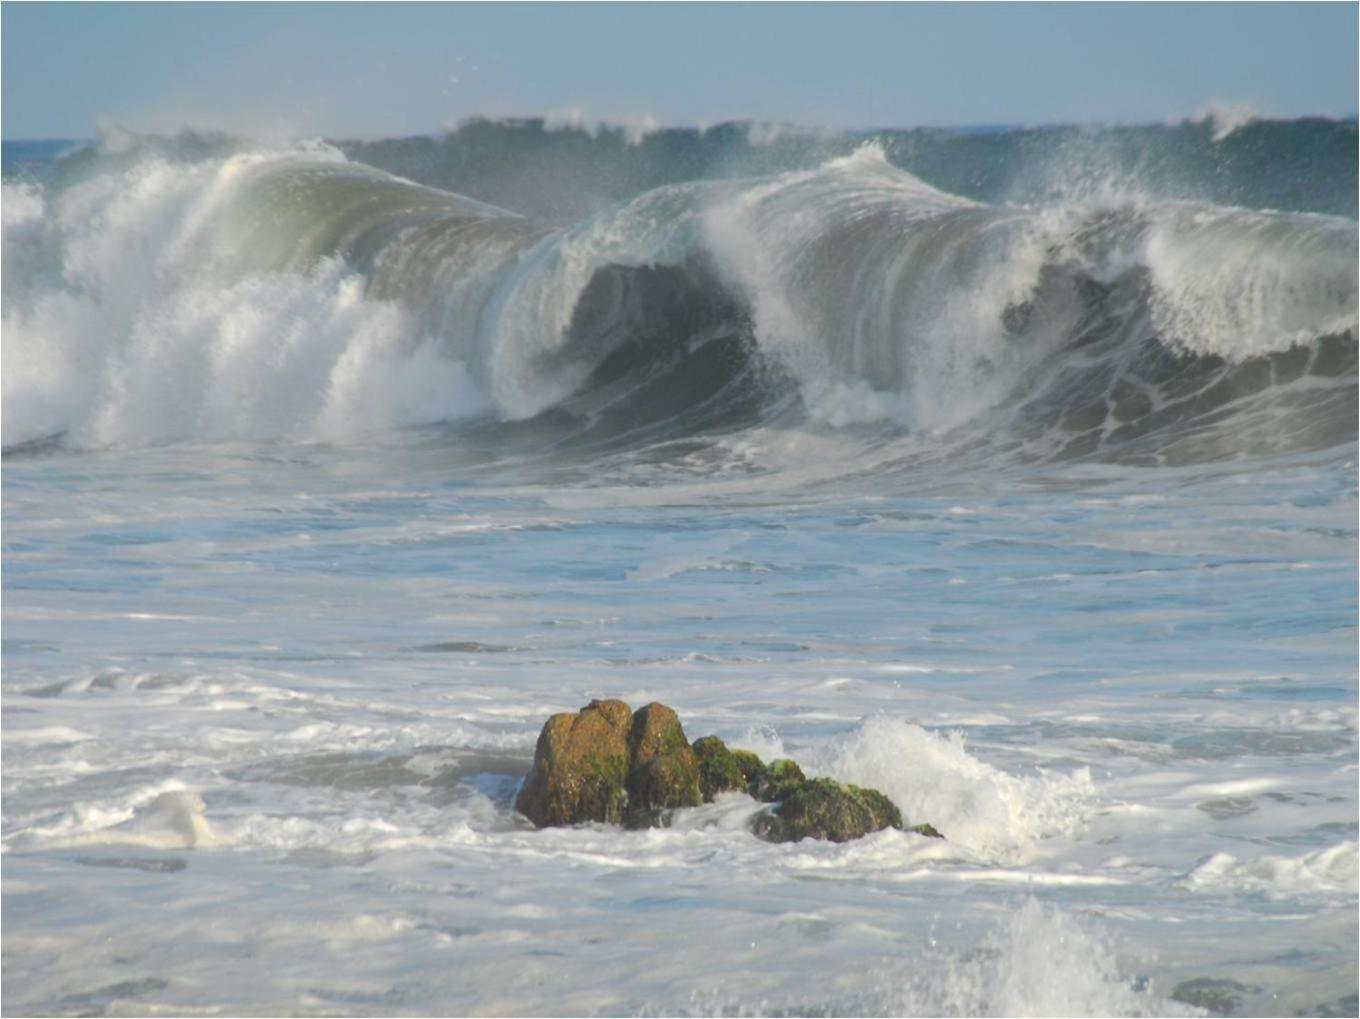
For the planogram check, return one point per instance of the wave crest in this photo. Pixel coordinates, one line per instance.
(295, 294)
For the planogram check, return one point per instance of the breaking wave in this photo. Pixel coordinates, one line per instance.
(186, 290)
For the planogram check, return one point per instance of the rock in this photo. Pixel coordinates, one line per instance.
(777, 780)
(749, 763)
(655, 730)
(1221, 997)
(664, 771)
(609, 763)
(719, 771)
(825, 809)
(658, 786)
(581, 767)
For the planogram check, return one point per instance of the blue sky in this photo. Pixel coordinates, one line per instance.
(370, 70)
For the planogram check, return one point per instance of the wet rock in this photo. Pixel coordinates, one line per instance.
(656, 730)
(663, 772)
(749, 763)
(1221, 997)
(581, 767)
(660, 785)
(608, 763)
(825, 809)
(777, 780)
(719, 770)
(151, 865)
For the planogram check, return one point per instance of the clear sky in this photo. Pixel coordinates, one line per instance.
(384, 69)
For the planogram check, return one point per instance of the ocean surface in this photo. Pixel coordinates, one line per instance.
(1010, 472)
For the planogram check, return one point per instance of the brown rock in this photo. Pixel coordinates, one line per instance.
(581, 766)
(665, 772)
(656, 730)
(607, 763)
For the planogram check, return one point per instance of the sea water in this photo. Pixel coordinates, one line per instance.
(298, 559)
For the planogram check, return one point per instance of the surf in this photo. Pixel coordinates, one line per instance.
(293, 294)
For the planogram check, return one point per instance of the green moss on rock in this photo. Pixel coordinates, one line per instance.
(659, 785)
(928, 830)
(777, 780)
(883, 811)
(718, 768)
(749, 763)
(825, 809)
(609, 763)
(664, 772)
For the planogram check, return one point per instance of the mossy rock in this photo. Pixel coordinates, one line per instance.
(663, 772)
(659, 785)
(928, 830)
(656, 730)
(609, 763)
(825, 809)
(719, 771)
(581, 767)
(883, 810)
(749, 764)
(777, 780)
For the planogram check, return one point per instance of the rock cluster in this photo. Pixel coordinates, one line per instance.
(609, 763)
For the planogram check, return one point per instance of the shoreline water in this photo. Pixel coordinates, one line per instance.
(287, 599)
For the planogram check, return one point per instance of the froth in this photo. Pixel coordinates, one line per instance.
(134, 332)
(282, 295)
(1329, 871)
(1225, 118)
(933, 778)
(1038, 961)
(1236, 284)
(164, 816)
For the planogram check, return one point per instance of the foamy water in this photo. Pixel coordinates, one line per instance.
(288, 593)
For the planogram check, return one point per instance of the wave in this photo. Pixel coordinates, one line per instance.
(564, 171)
(202, 289)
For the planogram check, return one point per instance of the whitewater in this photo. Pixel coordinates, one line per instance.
(1013, 474)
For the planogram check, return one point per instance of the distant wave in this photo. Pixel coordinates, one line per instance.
(562, 171)
(200, 288)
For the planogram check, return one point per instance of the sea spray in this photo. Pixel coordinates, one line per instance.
(994, 814)
(1096, 603)
(271, 281)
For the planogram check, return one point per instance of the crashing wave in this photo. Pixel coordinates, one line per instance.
(297, 294)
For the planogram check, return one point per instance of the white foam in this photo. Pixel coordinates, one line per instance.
(46, 736)
(932, 778)
(1237, 283)
(762, 134)
(841, 404)
(1330, 871)
(761, 740)
(635, 127)
(1226, 117)
(1040, 961)
(166, 816)
(167, 345)
(912, 332)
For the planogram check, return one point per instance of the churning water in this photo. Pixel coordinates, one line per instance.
(1009, 474)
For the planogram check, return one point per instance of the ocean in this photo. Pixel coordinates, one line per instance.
(1010, 472)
